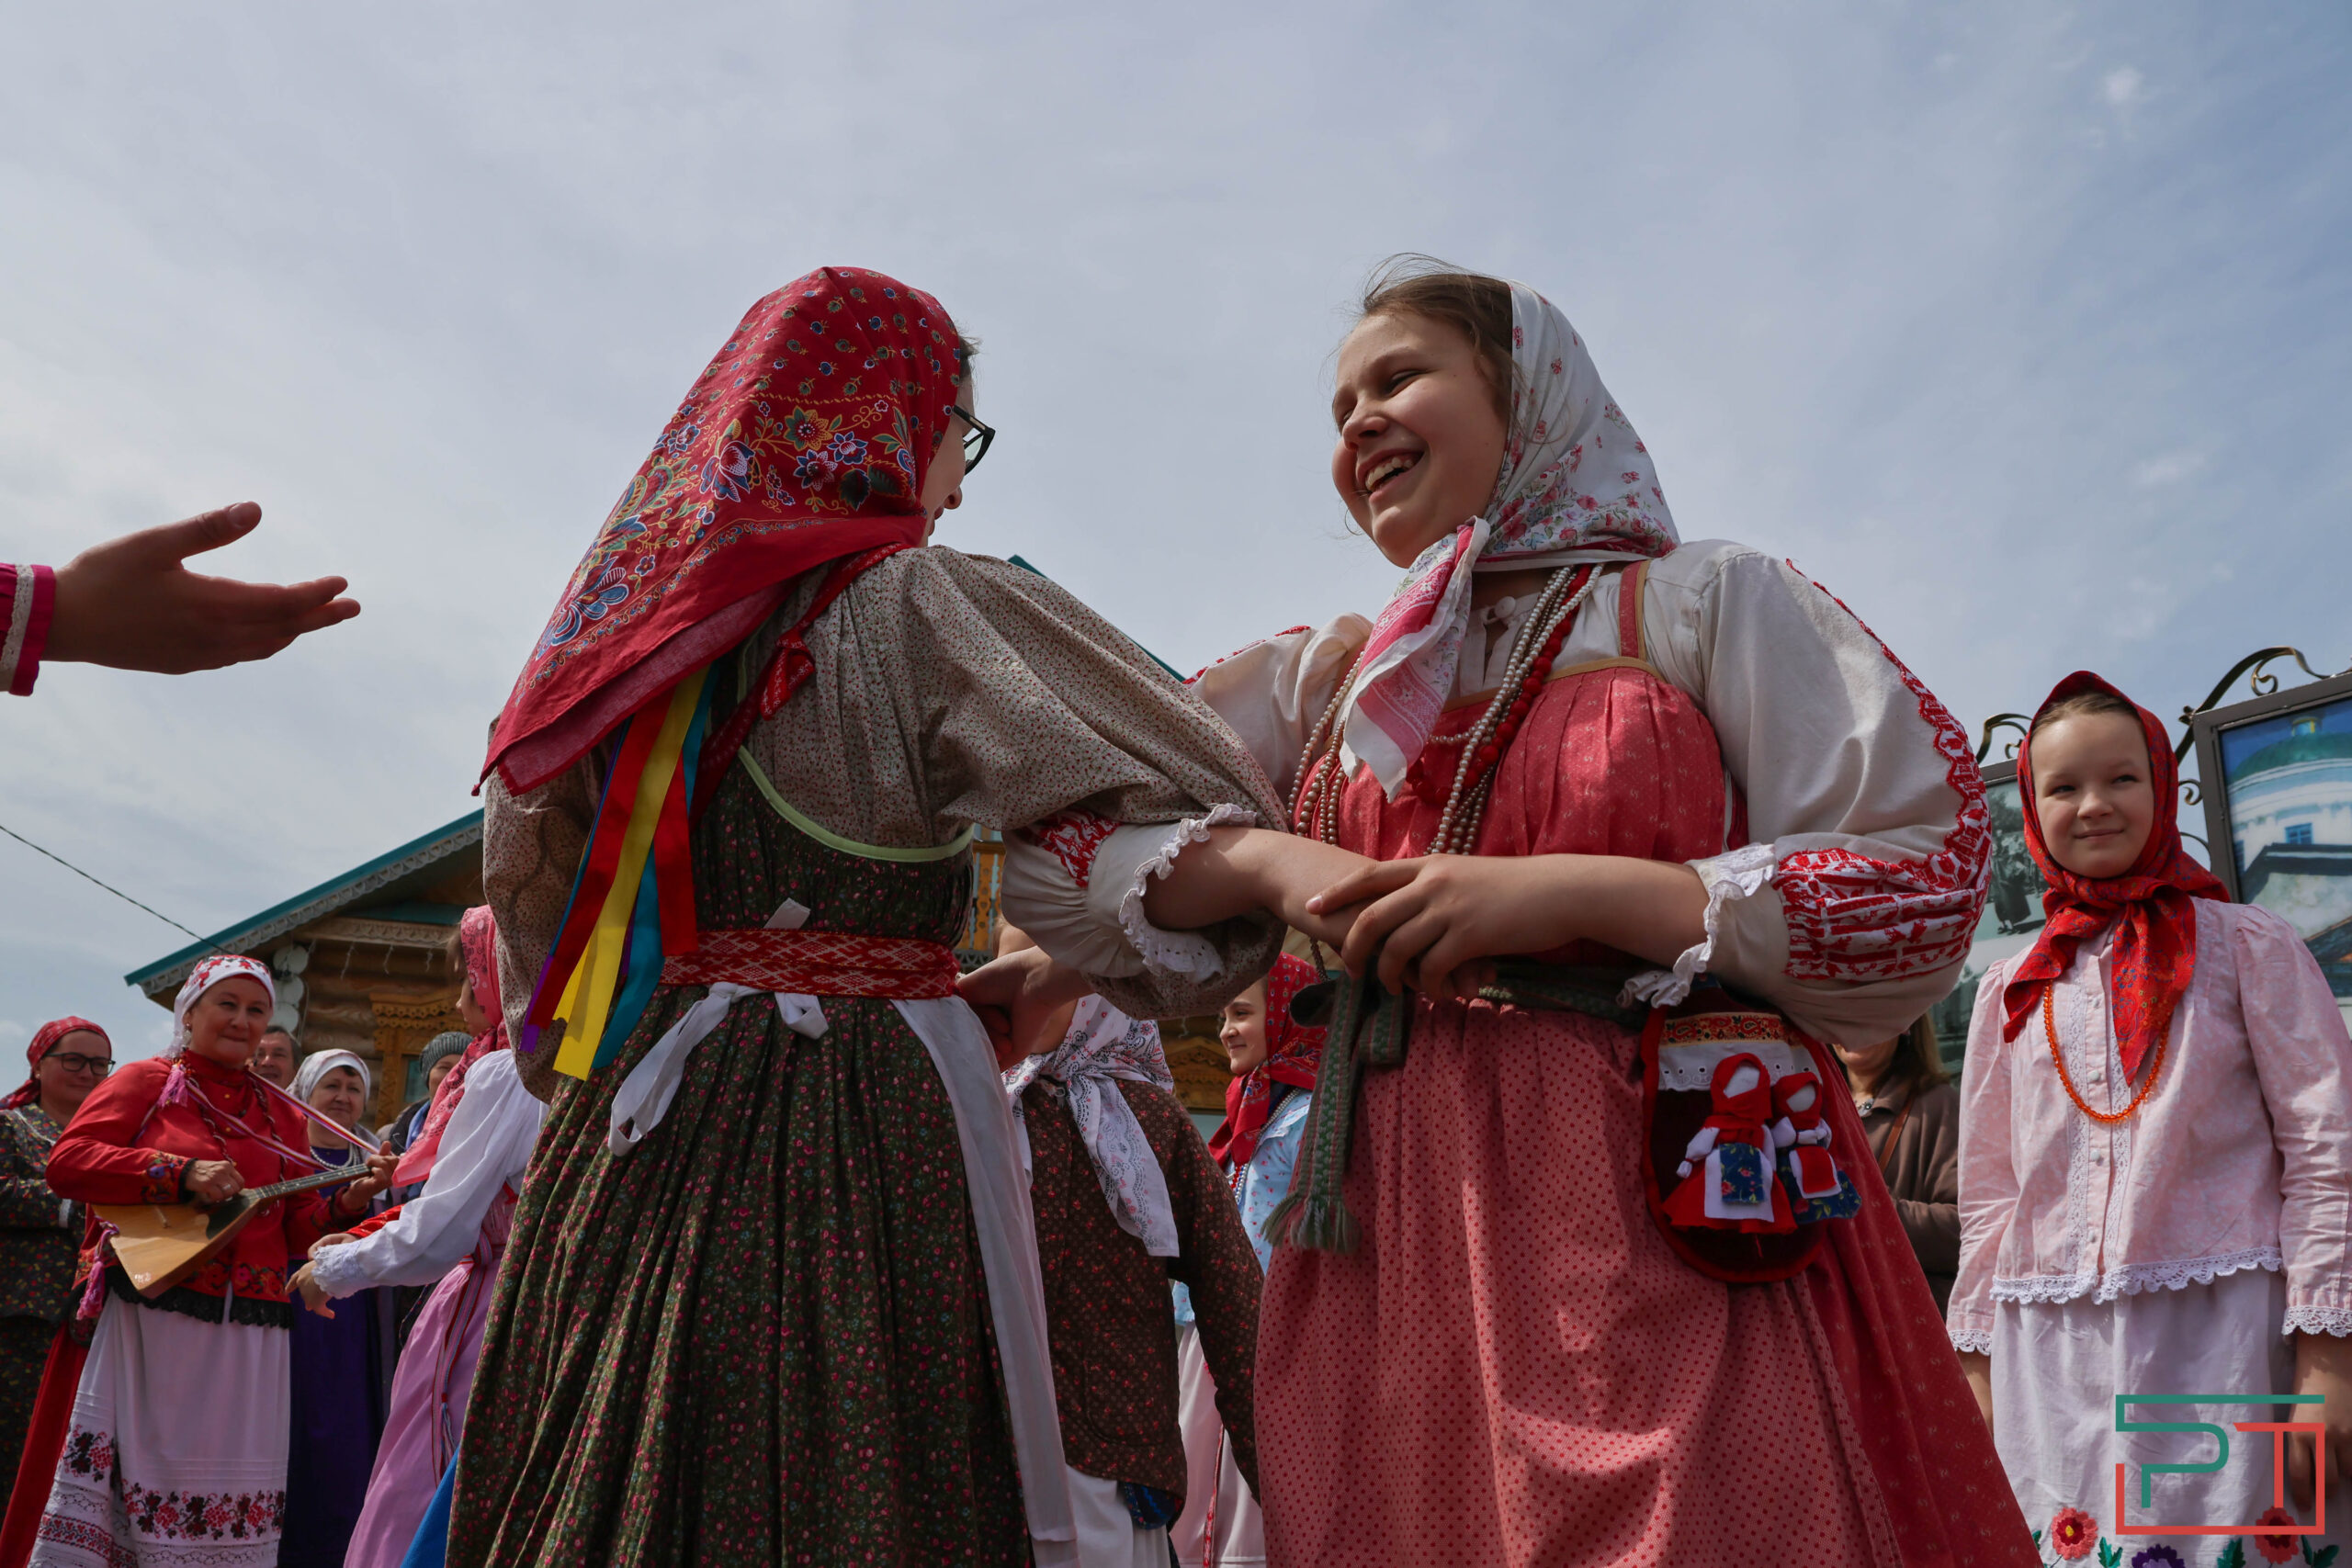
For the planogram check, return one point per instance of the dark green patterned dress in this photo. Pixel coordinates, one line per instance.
(810, 1355)
(764, 1337)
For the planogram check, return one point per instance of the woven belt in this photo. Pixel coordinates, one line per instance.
(817, 963)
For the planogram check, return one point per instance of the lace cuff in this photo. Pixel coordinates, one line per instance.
(2313, 1318)
(338, 1272)
(1976, 1341)
(1187, 954)
(1737, 874)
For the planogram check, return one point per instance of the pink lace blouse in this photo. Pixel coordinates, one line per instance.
(2240, 1158)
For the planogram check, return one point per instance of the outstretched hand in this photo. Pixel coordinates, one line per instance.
(131, 605)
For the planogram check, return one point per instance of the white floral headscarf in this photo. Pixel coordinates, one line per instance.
(1104, 1043)
(318, 1064)
(208, 973)
(1576, 485)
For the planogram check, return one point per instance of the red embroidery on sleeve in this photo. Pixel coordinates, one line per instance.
(163, 1179)
(1854, 918)
(1073, 837)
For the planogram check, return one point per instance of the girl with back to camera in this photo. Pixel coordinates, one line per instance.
(1568, 737)
(2156, 1104)
(772, 1291)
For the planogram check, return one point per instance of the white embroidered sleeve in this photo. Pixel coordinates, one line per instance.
(485, 1146)
(1860, 784)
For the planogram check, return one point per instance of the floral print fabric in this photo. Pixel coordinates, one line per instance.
(130, 1489)
(806, 439)
(762, 1336)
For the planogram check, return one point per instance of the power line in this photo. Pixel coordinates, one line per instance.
(109, 887)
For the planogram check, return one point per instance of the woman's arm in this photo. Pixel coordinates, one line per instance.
(1432, 919)
(93, 1161)
(1988, 1185)
(1855, 905)
(1932, 1217)
(531, 845)
(485, 1146)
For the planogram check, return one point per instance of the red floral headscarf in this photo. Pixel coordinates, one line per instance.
(2156, 939)
(805, 441)
(1293, 1056)
(478, 946)
(45, 1039)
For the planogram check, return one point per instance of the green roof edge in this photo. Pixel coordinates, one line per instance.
(385, 867)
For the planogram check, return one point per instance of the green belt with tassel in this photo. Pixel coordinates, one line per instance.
(1369, 1027)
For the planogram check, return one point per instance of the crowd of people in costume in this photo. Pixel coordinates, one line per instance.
(1590, 1189)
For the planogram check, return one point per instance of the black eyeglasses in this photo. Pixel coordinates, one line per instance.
(975, 440)
(74, 1062)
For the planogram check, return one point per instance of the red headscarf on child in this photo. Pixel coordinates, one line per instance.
(45, 1038)
(2155, 955)
(478, 944)
(1293, 1055)
(805, 441)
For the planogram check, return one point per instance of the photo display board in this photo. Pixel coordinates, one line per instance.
(2277, 787)
(2012, 917)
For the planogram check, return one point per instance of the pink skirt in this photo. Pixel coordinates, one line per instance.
(430, 1390)
(1514, 1369)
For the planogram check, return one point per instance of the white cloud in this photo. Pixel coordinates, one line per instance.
(2124, 86)
(2169, 468)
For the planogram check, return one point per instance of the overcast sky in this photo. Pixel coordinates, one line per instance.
(2024, 328)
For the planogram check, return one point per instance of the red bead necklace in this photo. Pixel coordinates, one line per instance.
(2058, 1060)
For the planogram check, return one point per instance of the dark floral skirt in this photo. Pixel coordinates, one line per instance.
(761, 1337)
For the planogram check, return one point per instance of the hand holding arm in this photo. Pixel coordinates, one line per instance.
(1237, 870)
(1429, 918)
(132, 603)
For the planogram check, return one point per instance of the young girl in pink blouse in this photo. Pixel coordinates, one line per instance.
(2154, 1190)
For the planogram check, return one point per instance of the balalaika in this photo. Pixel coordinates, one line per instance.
(159, 1245)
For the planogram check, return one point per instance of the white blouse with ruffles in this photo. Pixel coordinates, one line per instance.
(1852, 907)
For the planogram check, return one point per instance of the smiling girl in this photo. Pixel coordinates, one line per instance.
(2154, 1192)
(1570, 739)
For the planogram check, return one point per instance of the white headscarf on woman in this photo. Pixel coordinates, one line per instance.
(318, 1064)
(1104, 1044)
(1576, 485)
(202, 979)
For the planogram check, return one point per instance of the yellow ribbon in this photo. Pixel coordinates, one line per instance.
(588, 993)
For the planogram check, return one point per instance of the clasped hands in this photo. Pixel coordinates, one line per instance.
(1433, 923)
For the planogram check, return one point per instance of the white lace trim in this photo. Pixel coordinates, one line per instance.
(1979, 1340)
(2134, 1278)
(1186, 953)
(2318, 1320)
(1737, 875)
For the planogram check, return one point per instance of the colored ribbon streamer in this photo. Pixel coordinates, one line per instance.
(585, 1002)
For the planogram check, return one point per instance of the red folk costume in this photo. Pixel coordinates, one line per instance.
(1513, 1366)
(128, 1484)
